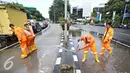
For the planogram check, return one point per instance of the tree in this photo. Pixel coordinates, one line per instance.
(73, 16)
(57, 9)
(33, 13)
(118, 6)
(94, 13)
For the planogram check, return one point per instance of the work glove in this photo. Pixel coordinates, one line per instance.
(78, 40)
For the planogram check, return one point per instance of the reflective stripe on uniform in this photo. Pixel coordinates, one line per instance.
(103, 48)
(19, 36)
(85, 51)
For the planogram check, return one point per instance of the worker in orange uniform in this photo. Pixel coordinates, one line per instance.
(29, 38)
(19, 32)
(32, 45)
(106, 40)
(89, 42)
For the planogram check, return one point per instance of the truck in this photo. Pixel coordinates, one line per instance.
(10, 16)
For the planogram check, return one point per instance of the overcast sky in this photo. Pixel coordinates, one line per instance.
(43, 5)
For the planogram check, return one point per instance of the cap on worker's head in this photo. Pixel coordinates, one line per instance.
(10, 25)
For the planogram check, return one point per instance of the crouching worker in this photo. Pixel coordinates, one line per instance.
(89, 42)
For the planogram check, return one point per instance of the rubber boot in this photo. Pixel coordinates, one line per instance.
(84, 59)
(96, 59)
(24, 54)
(30, 50)
(34, 47)
(110, 50)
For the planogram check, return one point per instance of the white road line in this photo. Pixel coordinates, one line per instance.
(72, 48)
(70, 39)
(62, 40)
(75, 58)
(78, 71)
(71, 43)
(62, 37)
(61, 44)
(8, 46)
(121, 43)
(60, 50)
(58, 61)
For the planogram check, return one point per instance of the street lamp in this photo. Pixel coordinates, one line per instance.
(65, 23)
(126, 1)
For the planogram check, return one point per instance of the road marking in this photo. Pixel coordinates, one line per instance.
(60, 50)
(78, 71)
(75, 58)
(125, 34)
(71, 43)
(8, 61)
(61, 44)
(72, 48)
(58, 61)
(62, 40)
(121, 43)
(9, 46)
(62, 37)
(70, 39)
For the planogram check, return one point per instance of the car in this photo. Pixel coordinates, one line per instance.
(46, 23)
(42, 25)
(38, 27)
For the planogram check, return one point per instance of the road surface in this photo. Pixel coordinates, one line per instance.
(122, 35)
(40, 61)
(117, 62)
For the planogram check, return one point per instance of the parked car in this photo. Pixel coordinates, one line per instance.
(38, 27)
(46, 23)
(42, 25)
(126, 26)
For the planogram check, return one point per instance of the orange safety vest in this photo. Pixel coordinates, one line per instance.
(108, 34)
(19, 32)
(88, 39)
(31, 31)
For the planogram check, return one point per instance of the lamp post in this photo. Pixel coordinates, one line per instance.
(126, 1)
(65, 33)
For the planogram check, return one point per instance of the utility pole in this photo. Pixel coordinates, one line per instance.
(65, 32)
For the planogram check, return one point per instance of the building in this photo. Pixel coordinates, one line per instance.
(74, 10)
(87, 9)
(80, 12)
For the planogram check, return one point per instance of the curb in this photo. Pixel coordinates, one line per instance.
(75, 57)
(18, 43)
(59, 57)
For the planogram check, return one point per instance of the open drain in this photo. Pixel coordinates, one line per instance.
(66, 69)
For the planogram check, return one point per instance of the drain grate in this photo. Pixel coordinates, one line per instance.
(66, 69)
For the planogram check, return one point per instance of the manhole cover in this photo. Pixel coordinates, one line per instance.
(66, 69)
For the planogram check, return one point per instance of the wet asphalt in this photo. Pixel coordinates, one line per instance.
(117, 62)
(40, 61)
(122, 35)
(43, 60)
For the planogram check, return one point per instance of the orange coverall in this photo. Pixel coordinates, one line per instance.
(106, 40)
(90, 41)
(19, 32)
(32, 41)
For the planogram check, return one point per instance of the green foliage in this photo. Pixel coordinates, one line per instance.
(94, 13)
(33, 13)
(118, 6)
(57, 10)
(16, 6)
(74, 16)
